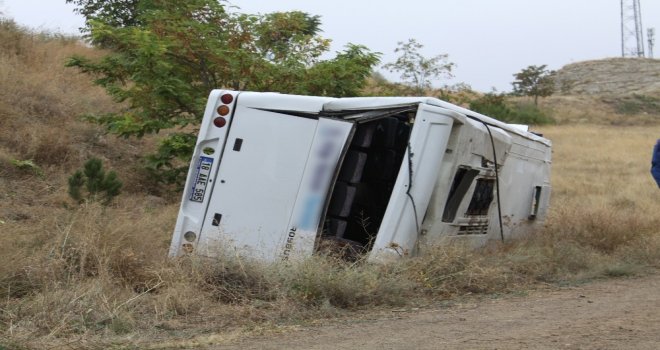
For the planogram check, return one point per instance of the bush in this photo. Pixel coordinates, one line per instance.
(495, 105)
(528, 113)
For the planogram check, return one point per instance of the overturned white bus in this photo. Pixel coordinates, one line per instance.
(275, 176)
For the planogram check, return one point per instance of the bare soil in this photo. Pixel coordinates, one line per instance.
(619, 313)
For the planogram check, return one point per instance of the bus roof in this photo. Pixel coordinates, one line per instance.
(360, 103)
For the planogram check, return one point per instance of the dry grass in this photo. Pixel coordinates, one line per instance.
(41, 102)
(595, 110)
(99, 273)
(97, 277)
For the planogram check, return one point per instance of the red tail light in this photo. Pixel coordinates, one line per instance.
(219, 122)
(227, 99)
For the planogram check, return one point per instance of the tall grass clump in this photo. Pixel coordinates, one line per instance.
(575, 246)
(88, 274)
(327, 280)
(454, 268)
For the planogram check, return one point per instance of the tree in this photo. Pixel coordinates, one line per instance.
(535, 81)
(165, 56)
(96, 181)
(118, 13)
(416, 70)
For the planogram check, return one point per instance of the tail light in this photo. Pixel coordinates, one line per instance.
(219, 122)
(223, 110)
(227, 99)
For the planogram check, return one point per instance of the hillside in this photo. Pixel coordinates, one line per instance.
(610, 77)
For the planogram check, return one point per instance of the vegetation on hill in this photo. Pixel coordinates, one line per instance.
(620, 86)
(94, 276)
(517, 112)
(534, 81)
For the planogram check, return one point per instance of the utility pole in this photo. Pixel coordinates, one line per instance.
(632, 36)
(650, 35)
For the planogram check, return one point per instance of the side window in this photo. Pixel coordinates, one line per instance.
(482, 197)
(536, 202)
(459, 187)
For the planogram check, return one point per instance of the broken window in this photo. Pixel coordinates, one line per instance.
(366, 179)
(536, 200)
(460, 186)
(481, 198)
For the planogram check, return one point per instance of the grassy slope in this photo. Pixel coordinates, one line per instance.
(92, 276)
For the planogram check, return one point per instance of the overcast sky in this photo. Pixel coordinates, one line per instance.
(489, 40)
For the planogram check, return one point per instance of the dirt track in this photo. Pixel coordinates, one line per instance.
(611, 314)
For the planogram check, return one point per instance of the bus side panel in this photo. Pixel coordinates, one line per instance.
(525, 184)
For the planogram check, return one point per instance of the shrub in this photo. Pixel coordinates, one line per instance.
(495, 105)
(528, 113)
(27, 165)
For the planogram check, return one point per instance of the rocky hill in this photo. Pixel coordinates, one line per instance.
(610, 77)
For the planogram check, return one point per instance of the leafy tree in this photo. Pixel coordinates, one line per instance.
(118, 13)
(345, 75)
(534, 81)
(416, 70)
(279, 32)
(165, 56)
(95, 180)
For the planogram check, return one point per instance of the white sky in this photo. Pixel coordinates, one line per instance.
(489, 40)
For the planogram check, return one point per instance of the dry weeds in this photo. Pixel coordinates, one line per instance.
(100, 274)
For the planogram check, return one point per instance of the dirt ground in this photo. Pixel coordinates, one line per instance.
(609, 314)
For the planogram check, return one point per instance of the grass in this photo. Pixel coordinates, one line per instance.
(100, 273)
(595, 110)
(635, 104)
(94, 276)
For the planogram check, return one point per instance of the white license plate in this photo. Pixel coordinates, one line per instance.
(201, 179)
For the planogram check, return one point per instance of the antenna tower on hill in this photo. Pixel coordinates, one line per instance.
(632, 36)
(650, 35)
